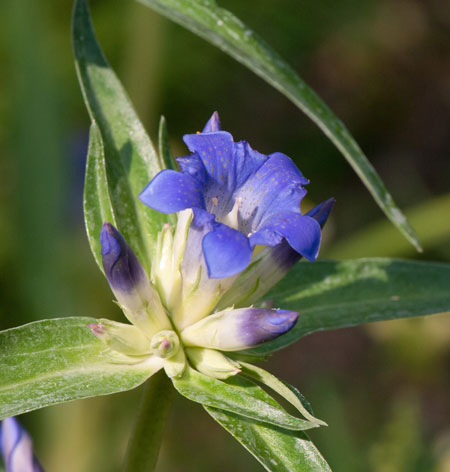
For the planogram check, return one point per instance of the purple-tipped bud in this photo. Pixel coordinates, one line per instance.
(16, 448)
(130, 284)
(233, 330)
(122, 268)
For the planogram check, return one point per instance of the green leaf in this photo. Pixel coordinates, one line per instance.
(277, 449)
(131, 159)
(289, 393)
(96, 202)
(332, 295)
(221, 28)
(168, 161)
(59, 360)
(249, 402)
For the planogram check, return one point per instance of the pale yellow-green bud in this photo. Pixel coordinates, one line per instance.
(165, 344)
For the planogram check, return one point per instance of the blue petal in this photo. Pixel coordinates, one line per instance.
(172, 191)
(248, 161)
(213, 124)
(226, 250)
(300, 231)
(320, 212)
(277, 186)
(193, 166)
(216, 151)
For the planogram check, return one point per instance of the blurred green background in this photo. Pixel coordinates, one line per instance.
(383, 66)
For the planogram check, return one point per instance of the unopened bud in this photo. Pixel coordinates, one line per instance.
(165, 344)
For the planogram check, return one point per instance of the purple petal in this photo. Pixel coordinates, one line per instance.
(17, 448)
(277, 186)
(172, 191)
(301, 232)
(213, 124)
(232, 330)
(226, 250)
(216, 152)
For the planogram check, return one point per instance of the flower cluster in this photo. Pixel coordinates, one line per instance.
(239, 230)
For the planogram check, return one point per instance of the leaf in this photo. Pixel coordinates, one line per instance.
(249, 402)
(332, 295)
(59, 360)
(96, 202)
(131, 160)
(289, 393)
(165, 153)
(277, 449)
(221, 28)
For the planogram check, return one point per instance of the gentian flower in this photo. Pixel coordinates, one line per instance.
(239, 230)
(16, 448)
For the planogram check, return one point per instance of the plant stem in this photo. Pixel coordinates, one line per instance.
(145, 441)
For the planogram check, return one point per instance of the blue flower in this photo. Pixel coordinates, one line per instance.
(239, 230)
(240, 199)
(16, 448)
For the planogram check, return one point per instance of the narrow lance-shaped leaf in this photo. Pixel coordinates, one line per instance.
(220, 27)
(215, 393)
(131, 160)
(332, 295)
(59, 360)
(96, 201)
(277, 449)
(165, 154)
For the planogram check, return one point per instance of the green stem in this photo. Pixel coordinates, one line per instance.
(145, 441)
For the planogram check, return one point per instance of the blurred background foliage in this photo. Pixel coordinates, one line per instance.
(383, 66)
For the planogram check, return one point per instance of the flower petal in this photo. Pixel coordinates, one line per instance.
(321, 212)
(233, 330)
(226, 250)
(277, 186)
(171, 191)
(213, 124)
(301, 232)
(216, 152)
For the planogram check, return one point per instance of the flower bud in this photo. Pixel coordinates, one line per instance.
(233, 330)
(165, 344)
(121, 337)
(130, 284)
